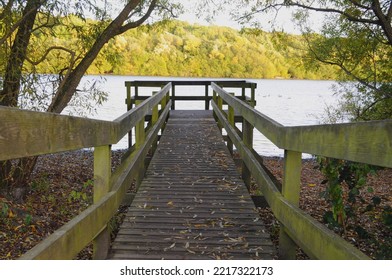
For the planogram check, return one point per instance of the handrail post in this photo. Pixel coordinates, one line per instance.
(154, 119)
(173, 106)
(140, 134)
(247, 137)
(128, 101)
(164, 102)
(290, 190)
(102, 173)
(220, 107)
(252, 95)
(140, 137)
(230, 118)
(207, 103)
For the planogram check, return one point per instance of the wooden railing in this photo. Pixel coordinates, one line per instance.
(366, 142)
(243, 85)
(26, 133)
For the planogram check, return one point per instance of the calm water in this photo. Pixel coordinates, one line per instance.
(289, 102)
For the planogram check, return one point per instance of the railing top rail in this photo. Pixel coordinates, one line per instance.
(366, 142)
(26, 133)
(224, 83)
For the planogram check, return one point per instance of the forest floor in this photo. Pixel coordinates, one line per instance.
(62, 187)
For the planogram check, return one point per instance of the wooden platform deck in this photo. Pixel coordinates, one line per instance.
(192, 203)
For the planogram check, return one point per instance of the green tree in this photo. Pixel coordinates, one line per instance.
(23, 21)
(356, 37)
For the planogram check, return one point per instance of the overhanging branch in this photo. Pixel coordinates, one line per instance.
(140, 21)
(72, 53)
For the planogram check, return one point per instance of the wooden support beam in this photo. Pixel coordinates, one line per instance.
(247, 138)
(173, 105)
(102, 173)
(290, 190)
(140, 135)
(128, 101)
(207, 102)
(154, 119)
(230, 118)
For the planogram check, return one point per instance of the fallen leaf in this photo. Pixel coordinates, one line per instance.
(170, 204)
(170, 247)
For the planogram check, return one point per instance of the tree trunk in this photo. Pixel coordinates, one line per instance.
(13, 75)
(68, 87)
(10, 175)
(18, 175)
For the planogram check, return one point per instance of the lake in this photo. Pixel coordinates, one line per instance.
(289, 102)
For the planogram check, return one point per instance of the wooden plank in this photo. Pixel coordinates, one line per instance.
(192, 195)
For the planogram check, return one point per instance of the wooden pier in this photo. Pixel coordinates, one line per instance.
(192, 203)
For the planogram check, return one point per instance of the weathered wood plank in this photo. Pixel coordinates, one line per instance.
(193, 196)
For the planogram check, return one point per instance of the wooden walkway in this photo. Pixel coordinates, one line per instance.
(192, 203)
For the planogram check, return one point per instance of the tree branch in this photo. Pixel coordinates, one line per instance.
(357, 4)
(14, 27)
(335, 11)
(6, 9)
(72, 53)
(384, 22)
(389, 13)
(140, 21)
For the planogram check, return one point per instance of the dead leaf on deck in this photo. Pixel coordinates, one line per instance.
(170, 204)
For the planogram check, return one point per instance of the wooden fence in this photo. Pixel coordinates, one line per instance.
(26, 133)
(367, 142)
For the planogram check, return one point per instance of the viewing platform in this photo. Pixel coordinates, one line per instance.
(186, 197)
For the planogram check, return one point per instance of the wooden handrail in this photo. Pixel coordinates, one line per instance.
(315, 239)
(223, 83)
(239, 84)
(366, 142)
(71, 238)
(26, 133)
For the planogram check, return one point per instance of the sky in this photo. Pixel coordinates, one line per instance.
(282, 21)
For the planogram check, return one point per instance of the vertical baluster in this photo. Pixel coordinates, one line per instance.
(102, 173)
(173, 106)
(154, 119)
(247, 137)
(128, 101)
(230, 118)
(207, 103)
(140, 135)
(290, 190)
(220, 107)
(252, 95)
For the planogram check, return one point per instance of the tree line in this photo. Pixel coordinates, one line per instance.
(176, 48)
